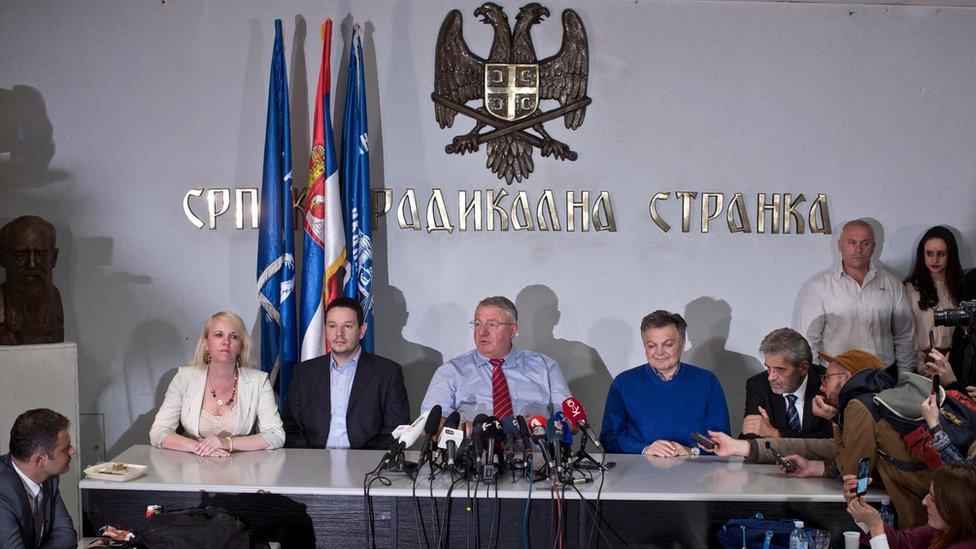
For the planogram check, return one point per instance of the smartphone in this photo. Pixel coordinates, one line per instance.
(935, 388)
(703, 441)
(788, 466)
(931, 339)
(863, 474)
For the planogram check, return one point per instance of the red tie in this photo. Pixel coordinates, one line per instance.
(500, 399)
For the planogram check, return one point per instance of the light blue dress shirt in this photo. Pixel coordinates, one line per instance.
(464, 384)
(340, 387)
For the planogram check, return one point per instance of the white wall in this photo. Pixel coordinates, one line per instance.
(872, 105)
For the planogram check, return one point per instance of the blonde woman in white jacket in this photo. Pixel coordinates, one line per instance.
(222, 401)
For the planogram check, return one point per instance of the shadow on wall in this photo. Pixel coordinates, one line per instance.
(585, 372)
(709, 321)
(143, 380)
(418, 361)
(26, 139)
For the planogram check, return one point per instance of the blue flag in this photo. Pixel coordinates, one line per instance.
(276, 239)
(355, 188)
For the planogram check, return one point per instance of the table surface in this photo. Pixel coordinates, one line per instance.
(341, 472)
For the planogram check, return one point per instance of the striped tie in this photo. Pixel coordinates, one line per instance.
(501, 400)
(792, 416)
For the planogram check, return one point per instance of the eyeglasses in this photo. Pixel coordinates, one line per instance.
(491, 324)
(825, 376)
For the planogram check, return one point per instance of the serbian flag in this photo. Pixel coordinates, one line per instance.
(355, 188)
(276, 239)
(324, 241)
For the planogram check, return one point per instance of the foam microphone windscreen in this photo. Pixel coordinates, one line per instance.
(476, 433)
(433, 421)
(510, 428)
(492, 428)
(537, 421)
(453, 420)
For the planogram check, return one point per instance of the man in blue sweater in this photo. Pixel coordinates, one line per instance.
(654, 408)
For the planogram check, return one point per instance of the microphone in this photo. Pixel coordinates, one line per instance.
(479, 443)
(523, 428)
(511, 433)
(451, 436)
(567, 432)
(576, 414)
(430, 430)
(406, 439)
(491, 431)
(554, 432)
(453, 420)
(538, 425)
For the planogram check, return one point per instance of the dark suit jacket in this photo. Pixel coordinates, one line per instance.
(16, 519)
(759, 393)
(377, 404)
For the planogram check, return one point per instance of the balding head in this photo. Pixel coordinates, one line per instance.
(856, 246)
(858, 223)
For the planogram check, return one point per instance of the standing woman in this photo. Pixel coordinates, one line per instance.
(935, 284)
(223, 403)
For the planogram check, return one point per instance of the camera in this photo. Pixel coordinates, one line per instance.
(965, 315)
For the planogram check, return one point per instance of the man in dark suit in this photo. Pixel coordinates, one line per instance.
(32, 513)
(347, 398)
(784, 401)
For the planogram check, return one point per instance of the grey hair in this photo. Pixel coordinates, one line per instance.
(788, 344)
(502, 303)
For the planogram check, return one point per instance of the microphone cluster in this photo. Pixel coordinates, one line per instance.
(497, 446)
(535, 448)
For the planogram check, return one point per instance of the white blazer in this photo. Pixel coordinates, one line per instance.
(257, 410)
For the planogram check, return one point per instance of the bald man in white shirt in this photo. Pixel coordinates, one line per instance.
(858, 305)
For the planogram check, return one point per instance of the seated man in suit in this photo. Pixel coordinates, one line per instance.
(782, 402)
(347, 398)
(32, 513)
(495, 378)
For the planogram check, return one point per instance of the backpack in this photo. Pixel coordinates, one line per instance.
(957, 418)
(758, 532)
(198, 528)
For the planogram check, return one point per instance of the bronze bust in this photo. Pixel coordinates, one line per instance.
(30, 304)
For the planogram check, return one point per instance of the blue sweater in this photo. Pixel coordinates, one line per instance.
(642, 408)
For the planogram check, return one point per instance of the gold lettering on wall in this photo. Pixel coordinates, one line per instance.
(218, 203)
(498, 210)
(780, 209)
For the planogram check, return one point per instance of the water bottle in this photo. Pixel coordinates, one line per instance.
(887, 512)
(799, 538)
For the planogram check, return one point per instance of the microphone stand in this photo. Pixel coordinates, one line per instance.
(584, 460)
(400, 465)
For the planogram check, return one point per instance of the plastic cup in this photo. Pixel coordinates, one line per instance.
(852, 540)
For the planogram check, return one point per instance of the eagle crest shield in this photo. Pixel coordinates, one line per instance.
(511, 90)
(511, 84)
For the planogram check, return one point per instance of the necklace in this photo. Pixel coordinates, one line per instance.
(213, 392)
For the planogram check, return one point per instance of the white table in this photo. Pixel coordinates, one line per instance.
(327, 485)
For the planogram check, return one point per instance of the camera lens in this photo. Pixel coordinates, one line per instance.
(951, 317)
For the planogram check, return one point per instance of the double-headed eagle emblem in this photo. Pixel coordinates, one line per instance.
(511, 82)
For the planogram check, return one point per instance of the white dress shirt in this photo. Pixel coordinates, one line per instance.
(836, 314)
(340, 387)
